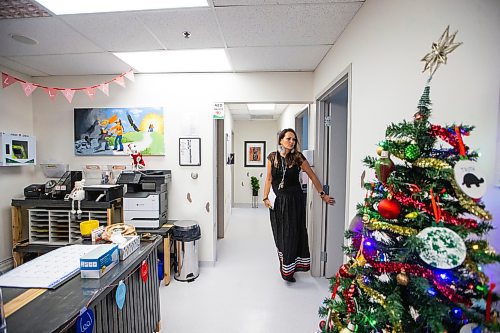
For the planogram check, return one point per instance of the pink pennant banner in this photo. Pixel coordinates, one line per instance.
(28, 88)
(104, 88)
(120, 80)
(130, 75)
(68, 93)
(90, 92)
(7, 80)
(52, 93)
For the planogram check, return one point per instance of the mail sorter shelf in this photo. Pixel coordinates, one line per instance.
(50, 226)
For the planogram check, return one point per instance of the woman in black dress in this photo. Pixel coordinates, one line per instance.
(288, 215)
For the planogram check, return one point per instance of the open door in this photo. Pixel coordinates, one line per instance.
(333, 156)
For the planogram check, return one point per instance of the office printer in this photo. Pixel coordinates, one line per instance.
(145, 201)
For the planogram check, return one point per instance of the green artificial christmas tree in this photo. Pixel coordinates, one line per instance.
(417, 247)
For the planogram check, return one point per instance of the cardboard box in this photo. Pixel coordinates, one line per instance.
(127, 248)
(99, 261)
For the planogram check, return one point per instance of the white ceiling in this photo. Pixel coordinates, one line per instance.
(258, 35)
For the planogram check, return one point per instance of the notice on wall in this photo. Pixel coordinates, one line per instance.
(218, 111)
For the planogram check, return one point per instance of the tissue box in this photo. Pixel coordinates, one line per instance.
(99, 261)
(129, 246)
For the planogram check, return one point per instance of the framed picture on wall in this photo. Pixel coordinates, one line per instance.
(189, 151)
(255, 153)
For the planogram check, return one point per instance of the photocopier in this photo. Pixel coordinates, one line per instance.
(145, 200)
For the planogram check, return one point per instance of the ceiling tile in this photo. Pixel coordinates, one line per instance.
(116, 32)
(168, 27)
(53, 36)
(286, 58)
(8, 63)
(75, 64)
(305, 24)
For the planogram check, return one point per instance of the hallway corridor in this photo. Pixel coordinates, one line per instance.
(243, 292)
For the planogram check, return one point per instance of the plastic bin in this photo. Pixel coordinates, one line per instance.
(186, 235)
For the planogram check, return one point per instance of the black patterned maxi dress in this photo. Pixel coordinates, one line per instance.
(288, 218)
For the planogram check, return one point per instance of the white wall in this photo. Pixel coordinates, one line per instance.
(228, 169)
(187, 100)
(16, 116)
(251, 130)
(385, 42)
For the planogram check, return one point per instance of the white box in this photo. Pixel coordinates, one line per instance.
(129, 247)
(99, 261)
(17, 149)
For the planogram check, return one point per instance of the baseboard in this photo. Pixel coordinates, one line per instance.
(207, 263)
(6, 265)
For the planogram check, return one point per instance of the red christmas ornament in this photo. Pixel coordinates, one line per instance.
(144, 271)
(322, 324)
(384, 166)
(389, 209)
(344, 271)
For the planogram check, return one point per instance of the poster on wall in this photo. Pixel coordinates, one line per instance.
(110, 131)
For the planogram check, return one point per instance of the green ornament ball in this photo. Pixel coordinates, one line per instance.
(384, 145)
(412, 152)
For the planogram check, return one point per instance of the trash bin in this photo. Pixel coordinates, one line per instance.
(186, 235)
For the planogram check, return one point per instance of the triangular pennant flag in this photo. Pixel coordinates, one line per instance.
(104, 87)
(90, 92)
(130, 75)
(120, 80)
(68, 93)
(28, 87)
(52, 92)
(7, 80)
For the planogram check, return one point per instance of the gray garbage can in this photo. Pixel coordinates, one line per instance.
(186, 235)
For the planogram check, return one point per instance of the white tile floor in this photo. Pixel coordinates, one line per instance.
(244, 292)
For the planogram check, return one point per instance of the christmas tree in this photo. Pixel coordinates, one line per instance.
(417, 246)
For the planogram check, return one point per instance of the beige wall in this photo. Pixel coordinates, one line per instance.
(187, 100)
(16, 116)
(385, 42)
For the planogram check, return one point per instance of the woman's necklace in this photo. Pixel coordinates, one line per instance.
(283, 168)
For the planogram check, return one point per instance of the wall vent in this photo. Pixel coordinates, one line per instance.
(261, 117)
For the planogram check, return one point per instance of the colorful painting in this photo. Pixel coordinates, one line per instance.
(110, 131)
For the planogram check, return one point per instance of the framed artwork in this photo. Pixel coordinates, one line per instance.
(255, 153)
(189, 151)
(110, 131)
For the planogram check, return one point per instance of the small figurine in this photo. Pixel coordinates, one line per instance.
(77, 194)
(137, 160)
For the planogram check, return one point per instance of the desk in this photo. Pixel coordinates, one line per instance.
(18, 205)
(165, 231)
(57, 310)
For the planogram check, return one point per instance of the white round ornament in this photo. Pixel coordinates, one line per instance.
(469, 328)
(443, 248)
(470, 179)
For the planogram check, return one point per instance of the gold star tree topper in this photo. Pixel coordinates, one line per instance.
(440, 50)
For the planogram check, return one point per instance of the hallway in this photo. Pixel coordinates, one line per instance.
(244, 292)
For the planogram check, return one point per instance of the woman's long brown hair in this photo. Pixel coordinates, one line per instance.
(295, 157)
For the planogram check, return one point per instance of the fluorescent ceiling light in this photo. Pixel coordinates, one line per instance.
(260, 107)
(177, 61)
(61, 7)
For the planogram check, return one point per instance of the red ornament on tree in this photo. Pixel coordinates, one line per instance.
(344, 271)
(144, 271)
(389, 208)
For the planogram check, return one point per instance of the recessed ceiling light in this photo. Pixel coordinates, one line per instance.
(23, 39)
(261, 107)
(177, 61)
(60, 7)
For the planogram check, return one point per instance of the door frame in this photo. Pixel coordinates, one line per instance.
(320, 211)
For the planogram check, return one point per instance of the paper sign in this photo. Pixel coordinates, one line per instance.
(218, 111)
